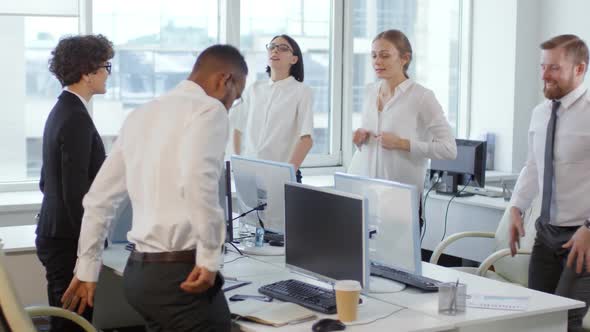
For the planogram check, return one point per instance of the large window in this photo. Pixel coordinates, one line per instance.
(433, 28)
(157, 41)
(309, 23)
(28, 90)
(156, 44)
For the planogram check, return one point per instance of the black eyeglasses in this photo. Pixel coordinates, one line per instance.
(281, 47)
(108, 67)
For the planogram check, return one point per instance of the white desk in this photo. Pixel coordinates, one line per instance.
(473, 213)
(22, 264)
(546, 312)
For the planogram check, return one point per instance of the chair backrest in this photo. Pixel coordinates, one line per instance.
(14, 313)
(515, 269)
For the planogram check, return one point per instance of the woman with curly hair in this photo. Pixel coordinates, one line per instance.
(72, 155)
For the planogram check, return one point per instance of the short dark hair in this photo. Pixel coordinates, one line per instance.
(79, 55)
(401, 43)
(226, 54)
(573, 45)
(297, 69)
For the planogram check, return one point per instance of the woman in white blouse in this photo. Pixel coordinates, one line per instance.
(275, 118)
(402, 123)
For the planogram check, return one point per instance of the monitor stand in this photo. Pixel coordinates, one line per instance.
(266, 250)
(382, 285)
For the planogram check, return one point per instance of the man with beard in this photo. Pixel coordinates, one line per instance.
(558, 169)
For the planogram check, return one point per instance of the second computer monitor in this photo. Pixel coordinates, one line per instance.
(468, 168)
(393, 220)
(260, 182)
(325, 233)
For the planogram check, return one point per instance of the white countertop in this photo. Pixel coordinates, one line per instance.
(18, 238)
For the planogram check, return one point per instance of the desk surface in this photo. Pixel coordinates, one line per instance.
(18, 238)
(420, 310)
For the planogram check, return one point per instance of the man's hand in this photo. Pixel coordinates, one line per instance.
(579, 246)
(360, 137)
(516, 229)
(199, 280)
(80, 294)
(391, 141)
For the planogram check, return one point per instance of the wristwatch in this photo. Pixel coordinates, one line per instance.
(587, 223)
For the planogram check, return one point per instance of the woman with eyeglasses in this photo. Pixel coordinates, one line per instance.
(72, 155)
(403, 125)
(275, 118)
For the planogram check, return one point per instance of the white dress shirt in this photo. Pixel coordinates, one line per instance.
(571, 160)
(167, 159)
(273, 117)
(412, 113)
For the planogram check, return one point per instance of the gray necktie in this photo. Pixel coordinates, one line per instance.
(548, 172)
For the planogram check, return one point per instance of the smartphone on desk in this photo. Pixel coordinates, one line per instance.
(242, 297)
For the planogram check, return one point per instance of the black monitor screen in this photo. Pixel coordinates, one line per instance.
(225, 200)
(470, 163)
(324, 232)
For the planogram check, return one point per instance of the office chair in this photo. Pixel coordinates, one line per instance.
(19, 319)
(507, 268)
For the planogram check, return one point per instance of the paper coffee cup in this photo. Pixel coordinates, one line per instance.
(347, 299)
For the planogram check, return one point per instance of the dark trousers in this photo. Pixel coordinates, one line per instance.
(548, 271)
(153, 289)
(58, 256)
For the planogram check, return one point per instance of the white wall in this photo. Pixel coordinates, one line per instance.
(492, 69)
(506, 81)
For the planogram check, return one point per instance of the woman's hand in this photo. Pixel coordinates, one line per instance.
(391, 141)
(360, 137)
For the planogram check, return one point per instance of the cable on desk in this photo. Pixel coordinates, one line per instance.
(233, 260)
(239, 251)
(258, 208)
(424, 208)
(376, 319)
(450, 200)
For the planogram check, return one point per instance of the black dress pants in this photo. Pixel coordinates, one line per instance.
(153, 290)
(58, 256)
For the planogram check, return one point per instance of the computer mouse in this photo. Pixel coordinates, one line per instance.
(276, 243)
(327, 325)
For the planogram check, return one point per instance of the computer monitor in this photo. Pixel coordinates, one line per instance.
(326, 233)
(122, 223)
(394, 229)
(258, 182)
(468, 168)
(225, 200)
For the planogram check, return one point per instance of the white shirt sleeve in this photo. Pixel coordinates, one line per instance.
(433, 119)
(527, 185)
(202, 149)
(305, 113)
(239, 114)
(107, 192)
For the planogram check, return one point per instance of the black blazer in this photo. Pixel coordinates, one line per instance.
(72, 155)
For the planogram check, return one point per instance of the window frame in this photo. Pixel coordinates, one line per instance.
(340, 103)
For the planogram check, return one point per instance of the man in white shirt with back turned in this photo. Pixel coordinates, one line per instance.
(558, 169)
(167, 160)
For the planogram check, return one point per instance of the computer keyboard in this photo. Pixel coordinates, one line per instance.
(273, 237)
(306, 295)
(423, 283)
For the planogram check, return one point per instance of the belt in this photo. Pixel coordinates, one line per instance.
(186, 256)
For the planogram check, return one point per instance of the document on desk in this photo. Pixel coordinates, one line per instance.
(514, 303)
(272, 313)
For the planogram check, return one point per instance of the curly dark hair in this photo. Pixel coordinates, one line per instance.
(79, 55)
